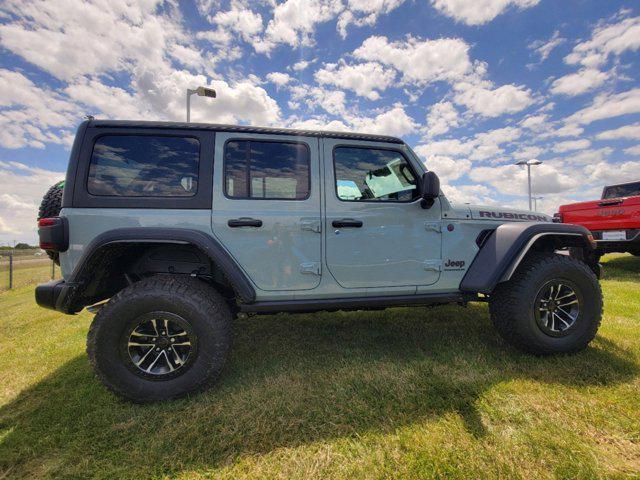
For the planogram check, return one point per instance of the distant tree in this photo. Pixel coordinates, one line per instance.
(23, 246)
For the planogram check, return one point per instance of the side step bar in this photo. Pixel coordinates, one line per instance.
(355, 303)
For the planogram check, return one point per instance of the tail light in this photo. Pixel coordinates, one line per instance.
(53, 234)
(558, 218)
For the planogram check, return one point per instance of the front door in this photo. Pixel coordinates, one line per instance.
(266, 207)
(377, 233)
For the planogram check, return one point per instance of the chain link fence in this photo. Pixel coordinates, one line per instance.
(19, 268)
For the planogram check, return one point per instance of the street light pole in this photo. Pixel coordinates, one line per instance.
(535, 202)
(528, 164)
(201, 92)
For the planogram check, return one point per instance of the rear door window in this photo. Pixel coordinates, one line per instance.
(144, 166)
(266, 170)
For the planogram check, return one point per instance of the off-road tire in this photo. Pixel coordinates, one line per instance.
(200, 305)
(50, 207)
(512, 307)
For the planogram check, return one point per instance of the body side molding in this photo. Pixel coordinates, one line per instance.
(504, 249)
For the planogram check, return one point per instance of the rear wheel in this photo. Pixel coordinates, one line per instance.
(552, 304)
(160, 338)
(50, 207)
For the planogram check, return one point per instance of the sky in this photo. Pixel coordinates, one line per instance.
(472, 86)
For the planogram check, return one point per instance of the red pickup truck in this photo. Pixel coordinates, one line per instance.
(614, 220)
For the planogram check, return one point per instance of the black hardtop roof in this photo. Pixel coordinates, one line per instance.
(243, 129)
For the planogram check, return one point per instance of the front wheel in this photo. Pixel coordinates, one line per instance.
(552, 304)
(161, 338)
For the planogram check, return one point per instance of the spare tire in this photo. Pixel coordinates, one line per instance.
(50, 207)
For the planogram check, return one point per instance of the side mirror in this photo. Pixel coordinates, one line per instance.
(430, 189)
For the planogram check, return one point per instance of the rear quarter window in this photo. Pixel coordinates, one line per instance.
(620, 191)
(144, 166)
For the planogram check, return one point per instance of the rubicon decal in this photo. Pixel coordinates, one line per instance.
(454, 264)
(611, 212)
(513, 216)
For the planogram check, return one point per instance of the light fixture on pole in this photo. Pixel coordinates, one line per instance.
(201, 92)
(535, 203)
(529, 163)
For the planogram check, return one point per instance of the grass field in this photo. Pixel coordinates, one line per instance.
(404, 393)
(27, 270)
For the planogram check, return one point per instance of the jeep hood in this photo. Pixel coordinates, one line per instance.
(505, 214)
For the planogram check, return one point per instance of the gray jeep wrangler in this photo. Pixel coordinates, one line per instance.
(167, 231)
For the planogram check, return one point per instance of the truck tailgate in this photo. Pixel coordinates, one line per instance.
(609, 214)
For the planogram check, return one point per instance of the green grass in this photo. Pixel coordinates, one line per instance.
(404, 393)
(26, 272)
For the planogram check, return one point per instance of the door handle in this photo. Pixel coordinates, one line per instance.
(244, 222)
(607, 203)
(347, 223)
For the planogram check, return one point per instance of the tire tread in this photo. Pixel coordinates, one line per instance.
(210, 304)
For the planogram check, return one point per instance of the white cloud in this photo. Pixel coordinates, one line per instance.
(631, 132)
(364, 12)
(112, 101)
(394, 121)
(512, 180)
(31, 115)
(50, 34)
(567, 130)
(607, 174)
(608, 106)
(544, 48)
(586, 157)
(578, 83)
(319, 123)
(365, 79)
(634, 151)
(420, 61)
(22, 191)
(605, 41)
(279, 78)
(570, 145)
(535, 122)
(301, 65)
(294, 23)
(528, 153)
(448, 168)
(477, 12)
(476, 194)
(238, 20)
(489, 102)
(332, 101)
(482, 146)
(451, 147)
(441, 118)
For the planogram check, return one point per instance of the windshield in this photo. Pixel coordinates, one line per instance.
(620, 191)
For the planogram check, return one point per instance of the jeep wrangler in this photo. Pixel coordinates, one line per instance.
(167, 231)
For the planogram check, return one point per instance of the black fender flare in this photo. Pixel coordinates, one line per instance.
(503, 250)
(179, 236)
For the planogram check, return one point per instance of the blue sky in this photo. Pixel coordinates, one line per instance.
(473, 86)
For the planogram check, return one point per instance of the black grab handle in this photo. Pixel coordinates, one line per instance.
(347, 223)
(244, 222)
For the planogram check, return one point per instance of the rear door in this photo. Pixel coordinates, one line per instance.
(266, 207)
(377, 234)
